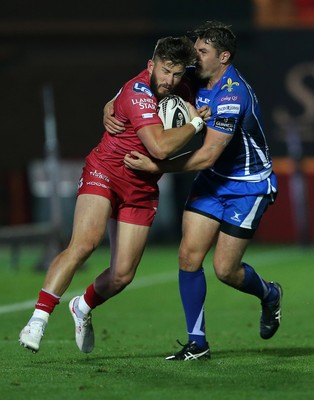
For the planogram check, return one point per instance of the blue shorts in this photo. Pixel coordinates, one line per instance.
(237, 205)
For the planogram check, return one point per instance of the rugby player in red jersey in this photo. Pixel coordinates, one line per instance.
(111, 195)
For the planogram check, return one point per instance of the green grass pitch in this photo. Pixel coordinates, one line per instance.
(137, 329)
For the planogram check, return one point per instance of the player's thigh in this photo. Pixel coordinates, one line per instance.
(199, 233)
(90, 218)
(228, 254)
(127, 244)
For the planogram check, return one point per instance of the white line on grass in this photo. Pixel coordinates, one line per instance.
(257, 259)
(141, 282)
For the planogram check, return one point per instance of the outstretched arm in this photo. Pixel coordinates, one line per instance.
(214, 144)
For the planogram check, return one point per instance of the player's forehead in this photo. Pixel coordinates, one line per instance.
(170, 66)
(203, 44)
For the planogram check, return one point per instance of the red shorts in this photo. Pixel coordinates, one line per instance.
(133, 199)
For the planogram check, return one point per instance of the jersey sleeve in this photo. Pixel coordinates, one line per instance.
(137, 105)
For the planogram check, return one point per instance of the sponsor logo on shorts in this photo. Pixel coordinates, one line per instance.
(92, 183)
(99, 175)
(228, 109)
(80, 184)
(227, 124)
(236, 217)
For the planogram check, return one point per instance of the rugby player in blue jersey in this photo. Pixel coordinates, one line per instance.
(229, 195)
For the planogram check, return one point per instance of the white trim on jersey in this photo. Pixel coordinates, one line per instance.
(249, 178)
(247, 155)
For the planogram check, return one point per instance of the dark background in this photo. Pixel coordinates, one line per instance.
(86, 51)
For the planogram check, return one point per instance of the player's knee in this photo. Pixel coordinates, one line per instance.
(185, 257)
(187, 260)
(80, 252)
(224, 274)
(121, 281)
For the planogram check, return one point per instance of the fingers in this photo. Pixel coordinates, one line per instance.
(192, 110)
(130, 161)
(136, 154)
(126, 160)
(112, 125)
(204, 112)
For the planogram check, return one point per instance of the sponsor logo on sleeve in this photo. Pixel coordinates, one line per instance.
(141, 87)
(228, 109)
(226, 124)
(148, 115)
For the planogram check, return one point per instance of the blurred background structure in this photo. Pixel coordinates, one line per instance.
(86, 51)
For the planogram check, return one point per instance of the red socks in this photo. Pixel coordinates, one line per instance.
(47, 301)
(92, 298)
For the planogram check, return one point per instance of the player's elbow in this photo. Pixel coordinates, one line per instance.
(206, 164)
(162, 156)
(159, 153)
(205, 158)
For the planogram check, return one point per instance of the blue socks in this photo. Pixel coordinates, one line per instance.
(255, 285)
(193, 292)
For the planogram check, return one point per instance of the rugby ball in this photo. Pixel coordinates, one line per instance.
(173, 112)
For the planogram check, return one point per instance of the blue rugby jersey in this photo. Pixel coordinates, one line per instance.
(235, 110)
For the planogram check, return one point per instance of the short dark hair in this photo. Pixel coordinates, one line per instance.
(177, 50)
(219, 34)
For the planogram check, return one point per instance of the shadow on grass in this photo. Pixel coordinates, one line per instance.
(275, 352)
(84, 359)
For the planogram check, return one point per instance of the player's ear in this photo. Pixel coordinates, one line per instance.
(150, 66)
(224, 57)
